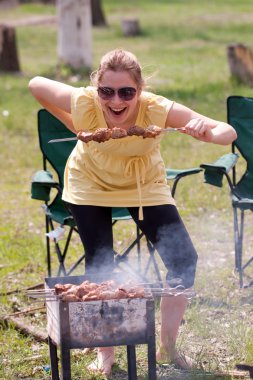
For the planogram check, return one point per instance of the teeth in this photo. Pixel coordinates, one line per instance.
(117, 109)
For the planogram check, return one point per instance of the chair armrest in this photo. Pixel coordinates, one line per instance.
(42, 182)
(214, 172)
(177, 174)
(172, 174)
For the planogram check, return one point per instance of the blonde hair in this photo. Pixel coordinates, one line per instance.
(119, 60)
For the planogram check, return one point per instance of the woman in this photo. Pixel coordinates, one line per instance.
(127, 172)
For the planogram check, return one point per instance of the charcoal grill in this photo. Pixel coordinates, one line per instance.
(115, 322)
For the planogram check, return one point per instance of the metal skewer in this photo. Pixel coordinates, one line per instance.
(40, 292)
(167, 292)
(75, 138)
(62, 140)
(172, 130)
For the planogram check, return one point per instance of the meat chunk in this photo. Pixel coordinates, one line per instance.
(152, 131)
(121, 293)
(85, 136)
(102, 135)
(70, 297)
(60, 288)
(118, 133)
(135, 130)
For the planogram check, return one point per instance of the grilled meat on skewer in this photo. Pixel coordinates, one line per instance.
(105, 134)
(102, 134)
(88, 291)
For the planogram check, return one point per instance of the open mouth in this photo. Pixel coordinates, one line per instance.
(116, 111)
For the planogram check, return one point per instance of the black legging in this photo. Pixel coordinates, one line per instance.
(162, 225)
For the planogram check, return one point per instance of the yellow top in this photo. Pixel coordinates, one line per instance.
(127, 172)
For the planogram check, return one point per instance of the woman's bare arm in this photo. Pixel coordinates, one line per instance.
(200, 126)
(55, 97)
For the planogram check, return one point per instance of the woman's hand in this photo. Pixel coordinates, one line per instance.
(199, 126)
(199, 129)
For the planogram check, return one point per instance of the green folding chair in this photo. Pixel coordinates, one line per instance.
(57, 215)
(240, 116)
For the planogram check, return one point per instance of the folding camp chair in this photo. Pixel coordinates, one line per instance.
(240, 116)
(57, 215)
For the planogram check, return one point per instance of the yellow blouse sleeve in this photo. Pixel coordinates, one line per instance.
(157, 109)
(83, 108)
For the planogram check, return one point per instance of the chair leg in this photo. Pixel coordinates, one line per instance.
(61, 261)
(74, 266)
(142, 273)
(48, 249)
(238, 238)
(173, 190)
(138, 238)
(152, 260)
(60, 251)
(60, 256)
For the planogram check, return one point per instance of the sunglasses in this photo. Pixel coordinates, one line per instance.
(124, 93)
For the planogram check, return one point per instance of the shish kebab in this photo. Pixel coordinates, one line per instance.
(89, 291)
(105, 134)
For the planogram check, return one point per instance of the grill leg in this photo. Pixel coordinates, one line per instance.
(131, 363)
(53, 359)
(151, 341)
(152, 360)
(65, 363)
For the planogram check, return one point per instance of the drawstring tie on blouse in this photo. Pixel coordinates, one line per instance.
(137, 164)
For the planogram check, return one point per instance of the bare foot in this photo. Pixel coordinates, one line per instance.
(181, 361)
(104, 361)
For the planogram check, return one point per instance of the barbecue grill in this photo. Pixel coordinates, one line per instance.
(114, 322)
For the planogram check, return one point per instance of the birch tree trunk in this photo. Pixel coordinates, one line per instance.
(74, 33)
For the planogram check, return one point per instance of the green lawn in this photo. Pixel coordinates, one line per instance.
(182, 49)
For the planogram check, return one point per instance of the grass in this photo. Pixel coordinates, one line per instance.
(183, 52)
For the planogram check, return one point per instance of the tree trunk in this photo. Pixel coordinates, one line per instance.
(74, 33)
(98, 18)
(27, 330)
(130, 27)
(8, 49)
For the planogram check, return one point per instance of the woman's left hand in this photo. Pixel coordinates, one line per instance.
(199, 129)
(199, 126)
